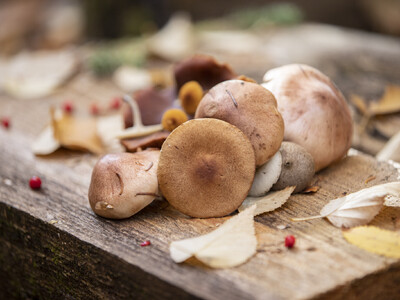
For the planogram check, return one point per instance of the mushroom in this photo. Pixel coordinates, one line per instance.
(190, 95)
(315, 112)
(297, 167)
(252, 109)
(206, 168)
(122, 184)
(138, 129)
(172, 118)
(266, 176)
(152, 104)
(204, 69)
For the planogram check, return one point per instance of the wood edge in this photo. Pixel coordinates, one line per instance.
(40, 261)
(381, 284)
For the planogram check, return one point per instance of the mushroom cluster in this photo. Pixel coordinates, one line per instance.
(225, 138)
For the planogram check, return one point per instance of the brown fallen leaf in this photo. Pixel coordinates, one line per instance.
(76, 133)
(359, 103)
(311, 189)
(389, 103)
(230, 245)
(374, 240)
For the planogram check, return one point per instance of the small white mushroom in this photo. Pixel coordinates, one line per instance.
(266, 176)
(122, 184)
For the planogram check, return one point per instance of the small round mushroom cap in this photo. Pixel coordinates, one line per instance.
(315, 112)
(297, 167)
(122, 184)
(252, 109)
(266, 176)
(206, 168)
(204, 69)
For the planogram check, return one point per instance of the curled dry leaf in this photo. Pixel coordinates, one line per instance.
(374, 240)
(269, 202)
(230, 245)
(358, 208)
(389, 103)
(77, 134)
(89, 134)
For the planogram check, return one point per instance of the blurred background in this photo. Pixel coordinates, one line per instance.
(98, 49)
(54, 23)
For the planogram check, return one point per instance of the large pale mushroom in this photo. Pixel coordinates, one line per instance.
(122, 184)
(252, 109)
(206, 168)
(315, 112)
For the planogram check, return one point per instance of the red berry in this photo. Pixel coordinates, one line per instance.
(145, 243)
(290, 240)
(5, 122)
(68, 107)
(115, 103)
(94, 109)
(35, 183)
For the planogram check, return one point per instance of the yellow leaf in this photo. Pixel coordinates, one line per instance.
(77, 134)
(389, 103)
(359, 103)
(374, 240)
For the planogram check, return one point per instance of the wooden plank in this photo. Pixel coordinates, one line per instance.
(322, 261)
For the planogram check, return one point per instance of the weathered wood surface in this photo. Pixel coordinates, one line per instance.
(53, 245)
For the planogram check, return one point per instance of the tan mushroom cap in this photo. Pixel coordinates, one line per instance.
(315, 112)
(252, 109)
(206, 168)
(118, 178)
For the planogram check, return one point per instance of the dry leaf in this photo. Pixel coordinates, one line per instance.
(36, 74)
(391, 150)
(45, 143)
(359, 103)
(107, 126)
(77, 134)
(374, 240)
(230, 245)
(269, 202)
(358, 208)
(389, 103)
(311, 189)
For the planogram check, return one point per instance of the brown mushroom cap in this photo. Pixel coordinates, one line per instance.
(204, 69)
(118, 178)
(315, 112)
(206, 168)
(252, 109)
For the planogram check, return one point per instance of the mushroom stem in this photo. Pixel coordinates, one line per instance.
(138, 129)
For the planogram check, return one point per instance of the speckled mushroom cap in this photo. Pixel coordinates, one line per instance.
(206, 168)
(252, 109)
(117, 179)
(315, 112)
